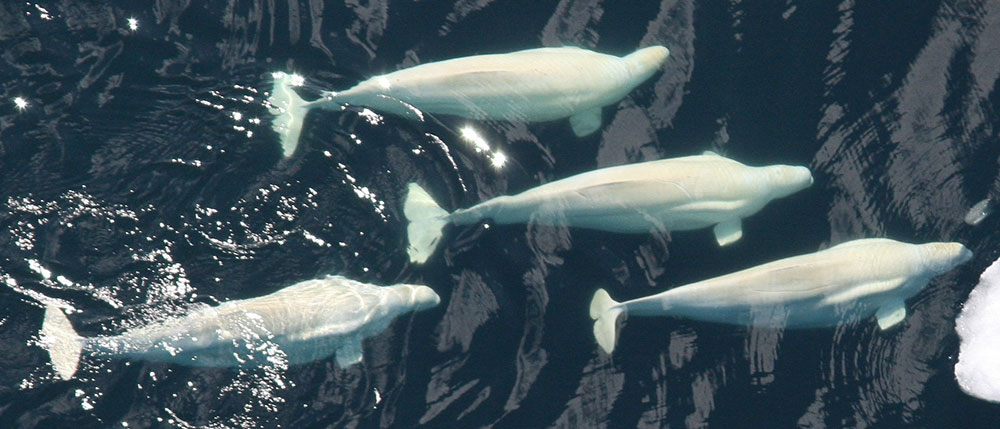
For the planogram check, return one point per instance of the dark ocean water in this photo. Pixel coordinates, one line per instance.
(143, 176)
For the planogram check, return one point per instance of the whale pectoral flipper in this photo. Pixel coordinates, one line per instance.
(890, 314)
(349, 353)
(586, 122)
(728, 232)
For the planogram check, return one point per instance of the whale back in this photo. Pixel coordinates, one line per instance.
(306, 321)
(668, 189)
(866, 270)
(531, 85)
(333, 305)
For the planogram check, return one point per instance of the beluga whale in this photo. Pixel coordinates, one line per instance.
(306, 321)
(533, 85)
(675, 194)
(854, 279)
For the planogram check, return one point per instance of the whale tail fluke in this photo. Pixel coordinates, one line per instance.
(605, 312)
(289, 110)
(61, 341)
(426, 220)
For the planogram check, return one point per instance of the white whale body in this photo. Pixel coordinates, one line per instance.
(674, 194)
(856, 278)
(309, 320)
(532, 85)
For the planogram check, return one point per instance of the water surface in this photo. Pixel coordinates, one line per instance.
(142, 177)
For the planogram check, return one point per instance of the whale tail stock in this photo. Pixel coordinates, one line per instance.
(61, 341)
(426, 221)
(605, 312)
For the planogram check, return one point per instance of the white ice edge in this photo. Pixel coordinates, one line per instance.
(978, 326)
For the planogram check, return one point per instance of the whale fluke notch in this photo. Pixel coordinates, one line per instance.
(289, 111)
(427, 219)
(605, 312)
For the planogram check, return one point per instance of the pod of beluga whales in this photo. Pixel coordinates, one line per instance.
(315, 319)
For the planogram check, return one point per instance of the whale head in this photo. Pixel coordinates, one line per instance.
(939, 258)
(785, 180)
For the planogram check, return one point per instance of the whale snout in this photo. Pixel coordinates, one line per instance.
(945, 256)
(956, 252)
(963, 253)
(650, 57)
(799, 176)
(425, 297)
(789, 179)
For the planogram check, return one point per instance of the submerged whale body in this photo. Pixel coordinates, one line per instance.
(533, 85)
(860, 278)
(307, 321)
(979, 211)
(674, 194)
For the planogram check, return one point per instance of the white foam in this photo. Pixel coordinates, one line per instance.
(978, 326)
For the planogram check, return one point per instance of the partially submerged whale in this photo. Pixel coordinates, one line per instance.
(309, 320)
(979, 211)
(669, 194)
(533, 85)
(860, 277)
